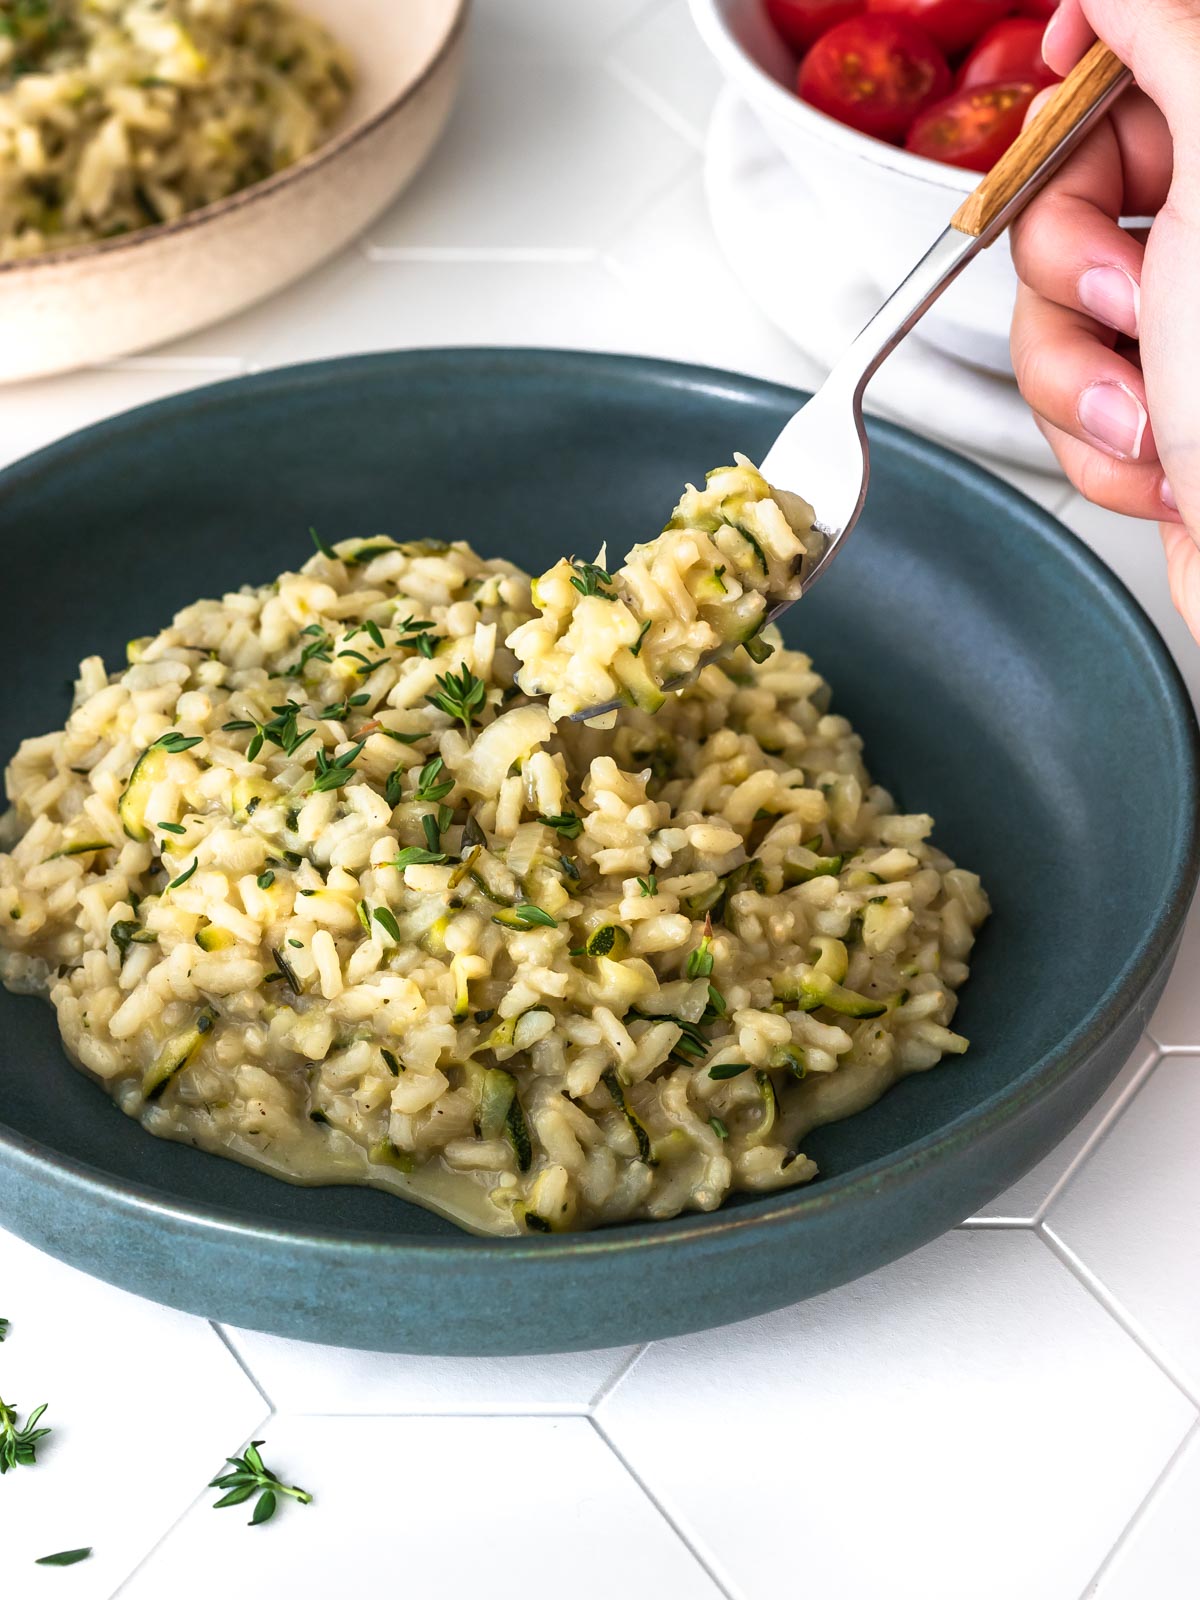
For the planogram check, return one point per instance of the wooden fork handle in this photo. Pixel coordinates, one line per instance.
(1086, 85)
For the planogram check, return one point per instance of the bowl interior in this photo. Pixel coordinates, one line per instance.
(1000, 677)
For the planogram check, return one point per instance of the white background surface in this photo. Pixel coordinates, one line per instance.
(1012, 1411)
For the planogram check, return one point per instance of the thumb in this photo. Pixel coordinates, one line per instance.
(1159, 40)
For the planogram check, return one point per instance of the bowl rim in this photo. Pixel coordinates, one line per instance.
(713, 27)
(875, 1180)
(321, 156)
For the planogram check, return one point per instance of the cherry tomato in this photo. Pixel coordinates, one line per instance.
(800, 22)
(1010, 52)
(955, 24)
(973, 127)
(1042, 10)
(874, 74)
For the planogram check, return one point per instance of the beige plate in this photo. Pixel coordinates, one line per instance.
(94, 302)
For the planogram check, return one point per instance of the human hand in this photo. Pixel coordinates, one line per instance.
(1106, 334)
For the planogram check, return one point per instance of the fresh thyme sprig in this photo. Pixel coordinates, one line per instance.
(332, 774)
(18, 1446)
(566, 823)
(648, 886)
(64, 1558)
(414, 633)
(430, 784)
(700, 961)
(251, 1476)
(341, 709)
(174, 742)
(462, 696)
(317, 649)
(4, 1327)
(413, 856)
(591, 579)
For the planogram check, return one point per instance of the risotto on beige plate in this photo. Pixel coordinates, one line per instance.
(118, 114)
(315, 883)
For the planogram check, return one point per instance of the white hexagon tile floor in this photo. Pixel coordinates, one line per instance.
(1012, 1410)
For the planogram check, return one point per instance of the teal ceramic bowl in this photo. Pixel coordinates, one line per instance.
(1001, 677)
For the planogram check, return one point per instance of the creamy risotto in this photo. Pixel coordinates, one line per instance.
(118, 114)
(730, 551)
(311, 882)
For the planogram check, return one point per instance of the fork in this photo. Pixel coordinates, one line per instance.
(823, 450)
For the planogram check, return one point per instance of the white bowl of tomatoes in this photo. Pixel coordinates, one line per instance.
(890, 110)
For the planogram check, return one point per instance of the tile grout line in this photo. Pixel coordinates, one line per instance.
(1101, 1132)
(1104, 1296)
(616, 1378)
(246, 1372)
(995, 1224)
(553, 1413)
(662, 109)
(1173, 1049)
(1152, 1493)
(724, 1588)
(170, 1529)
(631, 24)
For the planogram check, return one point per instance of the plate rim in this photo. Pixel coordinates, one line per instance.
(1040, 1081)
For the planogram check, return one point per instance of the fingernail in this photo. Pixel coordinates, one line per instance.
(1115, 418)
(1111, 296)
(1168, 496)
(1050, 27)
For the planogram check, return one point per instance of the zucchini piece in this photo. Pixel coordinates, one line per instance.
(770, 1109)
(638, 687)
(149, 769)
(613, 1084)
(83, 848)
(517, 1130)
(757, 648)
(710, 587)
(494, 1093)
(419, 547)
(832, 959)
(750, 875)
(731, 511)
(501, 1036)
(385, 1154)
(433, 940)
(248, 794)
(213, 938)
(705, 900)
(611, 940)
(176, 1054)
(462, 1000)
(365, 550)
(792, 1059)
(488, 893)
(797, 871)
(860, 878)
(809, 989)
(127, 932)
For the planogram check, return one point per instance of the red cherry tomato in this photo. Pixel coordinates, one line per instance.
(1042, 10)
(874, 74)
(955, 24)
(974, 127)
(1010, 52)
(800, 22)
